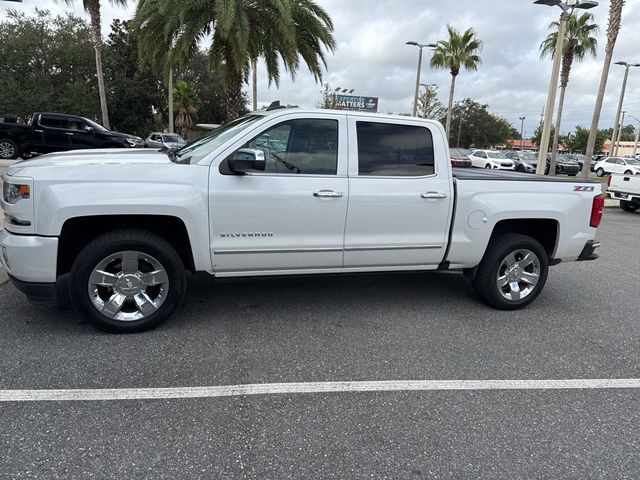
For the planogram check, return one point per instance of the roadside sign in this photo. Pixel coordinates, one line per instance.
(356, 103)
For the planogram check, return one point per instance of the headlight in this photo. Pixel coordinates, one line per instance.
(13, 192)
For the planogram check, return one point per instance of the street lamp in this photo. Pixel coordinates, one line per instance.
(420, 46)
(619, 136)
(615, 137)
(635, 145)
(567, 6)
(522, 119)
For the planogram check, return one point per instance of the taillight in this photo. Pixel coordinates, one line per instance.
(596, 210)
(609, 181)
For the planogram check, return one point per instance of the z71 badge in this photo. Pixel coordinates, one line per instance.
(582, 188)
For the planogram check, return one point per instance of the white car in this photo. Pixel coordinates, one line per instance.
(491, 159)
(626, 166)
(267, 194)
(625, 188)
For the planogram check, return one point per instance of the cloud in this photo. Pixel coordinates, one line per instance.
(372, 57)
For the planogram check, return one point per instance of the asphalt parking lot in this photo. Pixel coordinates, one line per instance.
(356, 328)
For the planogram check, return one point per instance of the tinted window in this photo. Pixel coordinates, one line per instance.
(304, 146)
(50, 121)
(394, 150)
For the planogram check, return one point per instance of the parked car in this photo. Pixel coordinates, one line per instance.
(460, 157)
(627, 166)
(490, 159)
(625, 188)
(56, 132)
(564, 165)
(220, 205)
(164, 140)
(523, 161)
(576, 157)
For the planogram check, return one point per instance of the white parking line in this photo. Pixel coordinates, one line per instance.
(313, 387)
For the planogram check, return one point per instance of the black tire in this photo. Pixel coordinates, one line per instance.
(629, 206)
(488, 165)
(486, 277)
(9, 150)
(148, 245)
(600, 172)
(628, 172)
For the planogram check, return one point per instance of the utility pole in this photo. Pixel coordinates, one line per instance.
(619, 137)
(522, 119)
(614, 136)
(420, 47)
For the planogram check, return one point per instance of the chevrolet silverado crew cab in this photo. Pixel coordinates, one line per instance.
(625, 188)
(55, 132)
(283, 192)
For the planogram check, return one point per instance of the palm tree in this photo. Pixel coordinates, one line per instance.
(615, 19)
(241, 31)
(185, 102)
(579, 43)
(457, 52)
(92, 7)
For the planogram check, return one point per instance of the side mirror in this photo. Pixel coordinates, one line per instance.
(88, 129)
(247, 160)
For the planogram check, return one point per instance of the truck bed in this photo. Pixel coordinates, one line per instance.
(498, 175)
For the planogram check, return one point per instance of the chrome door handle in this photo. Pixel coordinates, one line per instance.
(328, 194)
(39, 131)
(434, 195)
(68, 133)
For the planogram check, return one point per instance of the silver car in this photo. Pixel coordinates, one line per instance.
(164, 140)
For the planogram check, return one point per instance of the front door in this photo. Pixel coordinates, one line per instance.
(291, 217)
(400, 195)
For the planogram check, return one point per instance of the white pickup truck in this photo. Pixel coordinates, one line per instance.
(625, 188)
(283, 192)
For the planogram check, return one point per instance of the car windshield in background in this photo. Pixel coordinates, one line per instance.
(498, 155)
(528, 157)
(459, 152)
(172, 138)
(196, 151)
(633, 161)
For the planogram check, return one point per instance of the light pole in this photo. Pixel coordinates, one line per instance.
(420, 46)
(522, 119)
(619, 137)
(614, 137)
(635, 145)
(567, 6)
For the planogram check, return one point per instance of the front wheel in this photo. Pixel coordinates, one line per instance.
(9, 150)
(600, 172)
(629, 206)
(127, 281)
(628, 172)
(488, 165)
(512, 272)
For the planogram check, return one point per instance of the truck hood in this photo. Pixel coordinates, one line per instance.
(107, 156)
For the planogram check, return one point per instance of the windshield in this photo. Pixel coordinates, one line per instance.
(498, 155)
(459, 152)
(96, 126)
(528, 157)
(633, 162)
(196, 151)
(172, 138)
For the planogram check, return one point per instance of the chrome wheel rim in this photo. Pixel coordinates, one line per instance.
(128, 286)
(518, 275)
(6, 150)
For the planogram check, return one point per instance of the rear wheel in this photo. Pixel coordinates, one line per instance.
(127, 281)
(488, 165)
(9, 150)
(628, 172)
(629, 206)
(600, 172)
(512, 272)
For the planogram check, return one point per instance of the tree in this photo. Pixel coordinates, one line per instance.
(277, 30)
(615, 19)
(92, 7)
(537, 134)
(577, 141)
(185, 102)
(457, 52)
(135, 92)
(429, 106)
(579, 42)
(328, 97)
(47, 65)
(476, 126)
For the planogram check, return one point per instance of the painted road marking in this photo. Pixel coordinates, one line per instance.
(313, 387)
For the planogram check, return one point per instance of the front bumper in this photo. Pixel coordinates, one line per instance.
(29, 258)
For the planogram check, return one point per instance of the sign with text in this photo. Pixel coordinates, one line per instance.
(356, 103)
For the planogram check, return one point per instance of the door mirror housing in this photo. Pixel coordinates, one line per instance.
(247, 160)
(88, 129)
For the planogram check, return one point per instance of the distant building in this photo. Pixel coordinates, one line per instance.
(625, 149)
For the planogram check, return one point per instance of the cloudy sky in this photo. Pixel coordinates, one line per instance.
(372, 58)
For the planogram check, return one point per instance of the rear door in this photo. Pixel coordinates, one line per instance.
(400, 194)
(291, 217)
(55, 133)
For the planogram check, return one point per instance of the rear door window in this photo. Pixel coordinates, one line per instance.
(391, 150)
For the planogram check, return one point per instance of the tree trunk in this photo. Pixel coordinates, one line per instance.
(556, 136)
(450, 109)
(254, 80)
(171, 112)
(233, 89)
(96, 33)
(615, 17)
